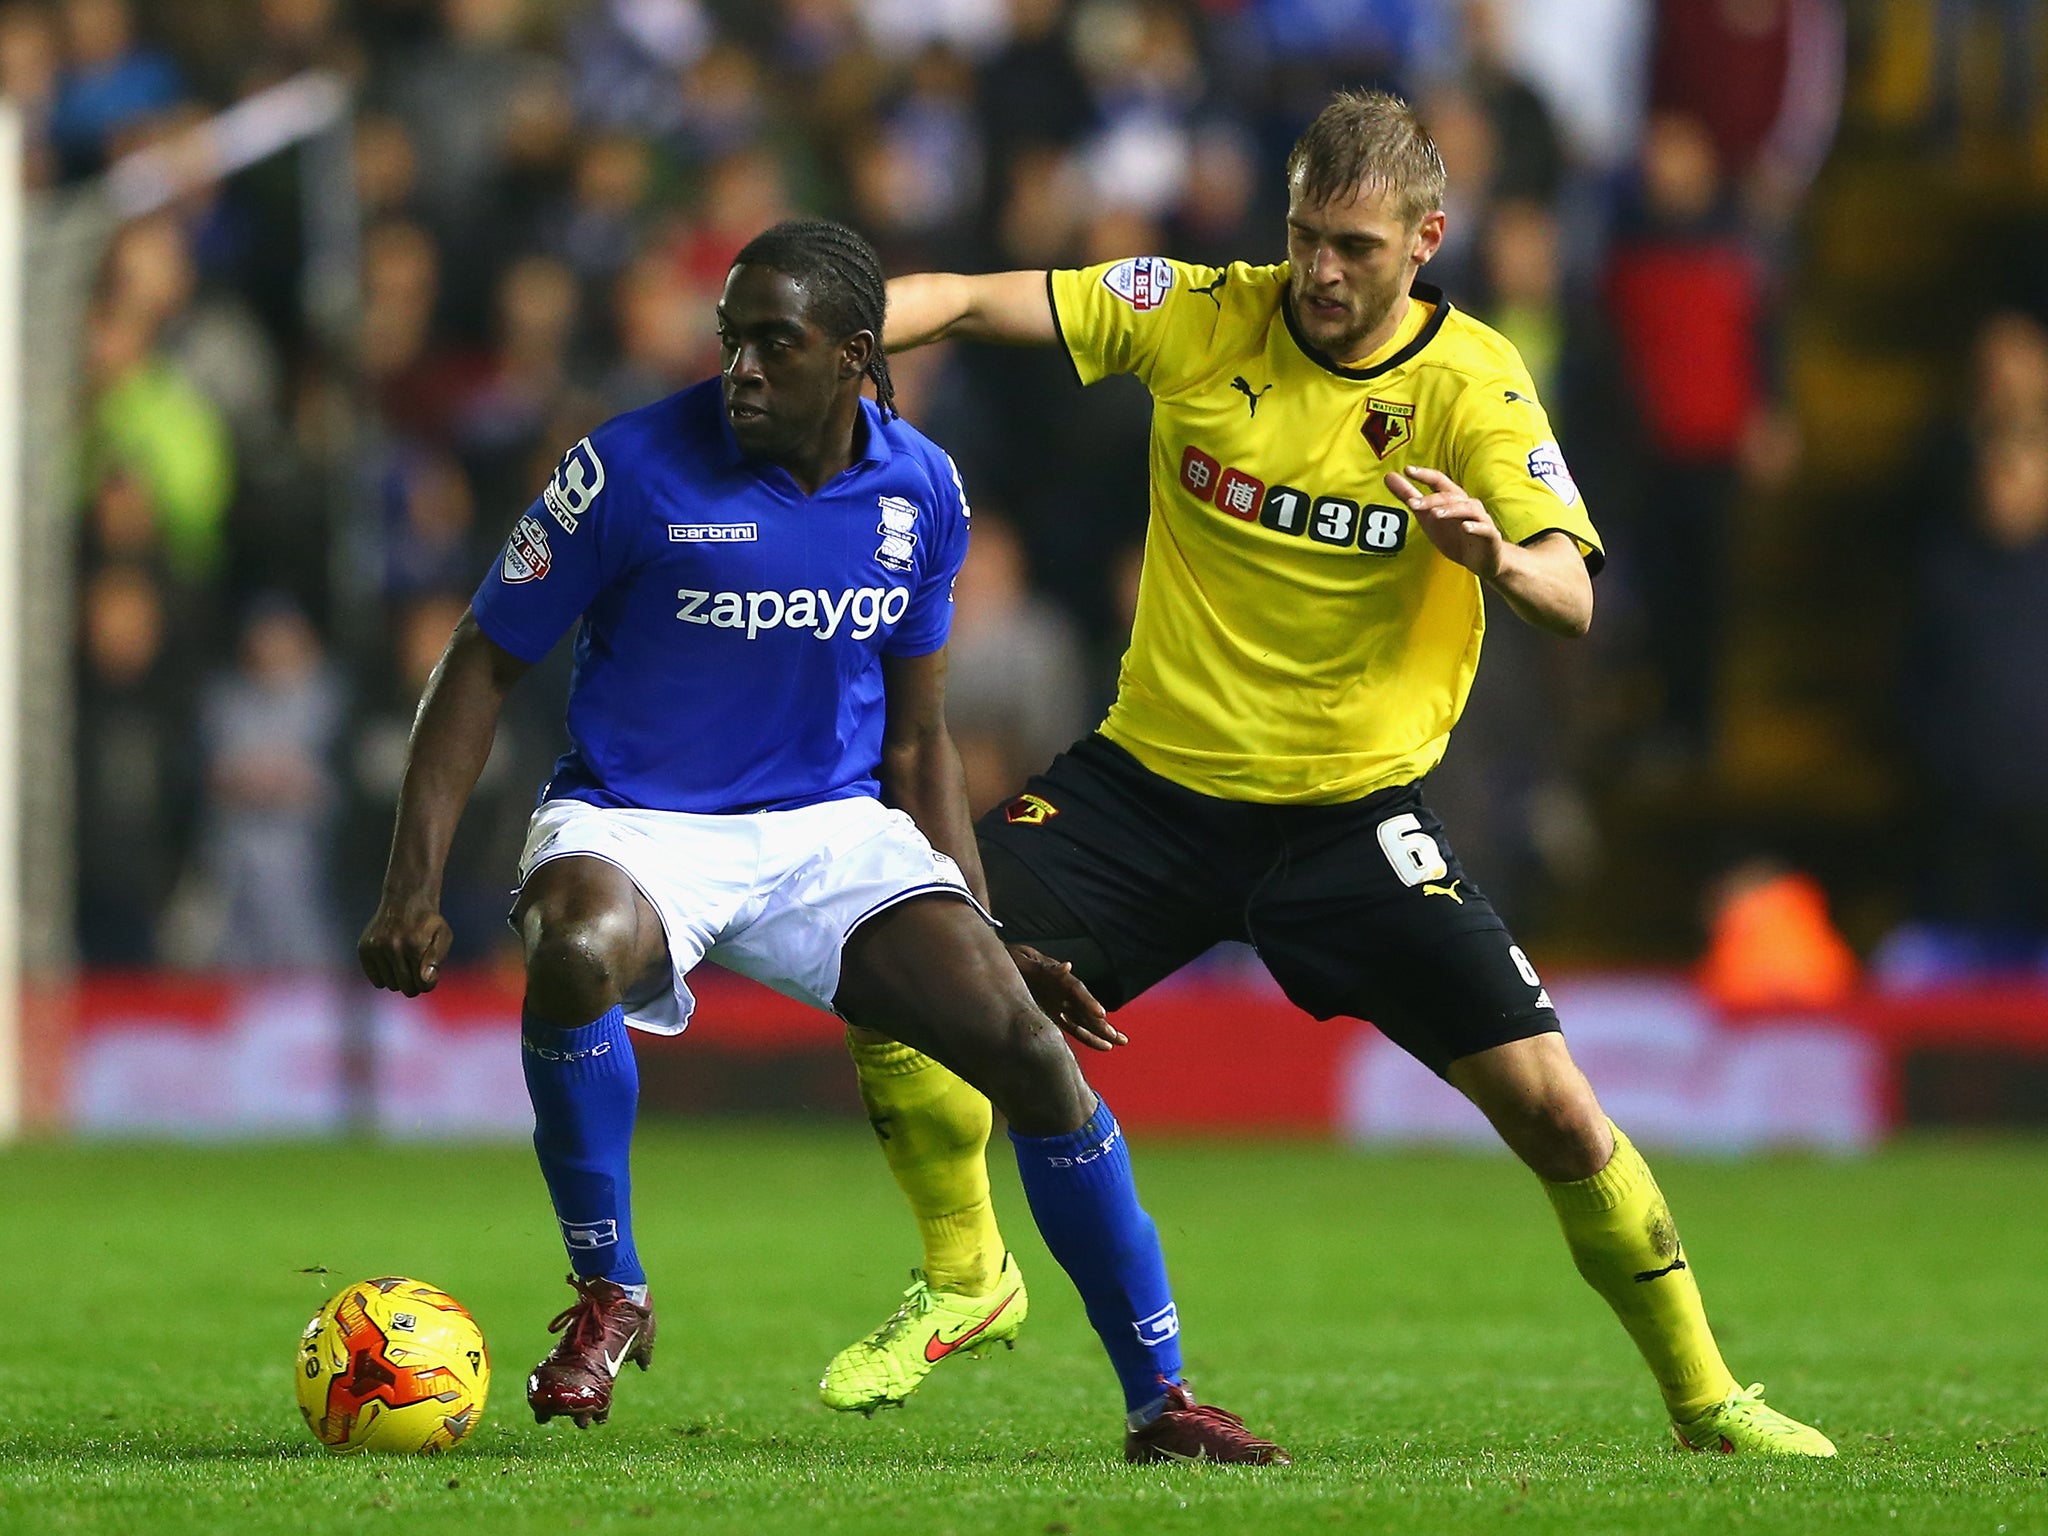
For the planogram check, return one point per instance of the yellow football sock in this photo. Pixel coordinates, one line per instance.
(934, 1132)
(1626, 1245)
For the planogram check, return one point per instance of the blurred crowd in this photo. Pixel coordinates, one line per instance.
(279, 528)
(1973, 704)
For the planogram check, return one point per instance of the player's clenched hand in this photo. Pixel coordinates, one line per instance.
(402, 948)
(1457, 523)
(1066, 1001)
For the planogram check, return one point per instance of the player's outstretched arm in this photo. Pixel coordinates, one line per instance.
(1008, 307)
(402, 948)
(921, 776)
(1544, 581)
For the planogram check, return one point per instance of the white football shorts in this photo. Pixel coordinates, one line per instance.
(773, 895)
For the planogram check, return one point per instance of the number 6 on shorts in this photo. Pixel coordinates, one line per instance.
(1412, 851)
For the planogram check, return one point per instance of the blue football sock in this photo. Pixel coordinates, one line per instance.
(1086, 1205)
(585, 1088)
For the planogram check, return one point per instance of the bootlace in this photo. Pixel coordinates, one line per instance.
(1749, 1401)
(583, 1317)
(1209, 1413)
(917, 1301)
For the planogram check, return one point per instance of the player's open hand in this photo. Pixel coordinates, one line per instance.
(403, 947)
(1065, 999)
(1457, 522)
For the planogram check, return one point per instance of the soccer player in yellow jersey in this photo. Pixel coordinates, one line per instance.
(1340, 461)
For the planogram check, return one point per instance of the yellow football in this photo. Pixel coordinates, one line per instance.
(392, 1365)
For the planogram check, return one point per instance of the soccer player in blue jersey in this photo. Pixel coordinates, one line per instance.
(760, 774)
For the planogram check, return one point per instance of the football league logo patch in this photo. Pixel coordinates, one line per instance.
(1546, 463)
(1388, 423)
(527, 556)
(1141, 282)
(1029, 811)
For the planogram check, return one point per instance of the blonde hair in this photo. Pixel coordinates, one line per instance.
(1368, 139)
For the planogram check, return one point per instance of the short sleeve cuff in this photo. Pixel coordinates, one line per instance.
(1059, 329)
(496, 631)
(1591, 553)
(910, 647)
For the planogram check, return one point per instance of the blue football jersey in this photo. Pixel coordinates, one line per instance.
(733, 628)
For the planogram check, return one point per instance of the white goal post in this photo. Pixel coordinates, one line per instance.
(51, 243)
(13, 235)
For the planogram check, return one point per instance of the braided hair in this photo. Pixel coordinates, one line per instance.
(841, 277)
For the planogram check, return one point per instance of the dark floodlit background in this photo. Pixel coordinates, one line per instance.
(1778, 830)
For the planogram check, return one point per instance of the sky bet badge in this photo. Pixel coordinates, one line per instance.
(527, 556)
(1387, 423)
(1142, 282)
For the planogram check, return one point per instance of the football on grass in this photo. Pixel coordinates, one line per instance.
(392, 1365)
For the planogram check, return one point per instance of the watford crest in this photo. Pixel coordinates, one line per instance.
(1387, 423)
(1029, 811)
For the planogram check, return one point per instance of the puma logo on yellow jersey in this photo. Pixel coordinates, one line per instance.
(1450, 890)
(1243, 386)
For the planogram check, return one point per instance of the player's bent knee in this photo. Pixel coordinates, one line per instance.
(1541, 1103)
(1034, 1080)
(1563, 1136)
(576, 969)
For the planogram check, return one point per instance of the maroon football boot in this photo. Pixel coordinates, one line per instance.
(1191, 1431)
(601, 1330)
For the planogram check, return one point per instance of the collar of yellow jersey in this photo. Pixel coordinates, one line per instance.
(1425, 293)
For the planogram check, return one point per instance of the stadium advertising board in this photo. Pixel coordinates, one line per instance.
(1216, 1052)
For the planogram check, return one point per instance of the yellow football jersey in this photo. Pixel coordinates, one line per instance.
(1297, 639)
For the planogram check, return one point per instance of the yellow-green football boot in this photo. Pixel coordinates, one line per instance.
(886, 1367)
(1741, 1422)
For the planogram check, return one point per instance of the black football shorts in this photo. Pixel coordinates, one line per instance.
(1359, 909)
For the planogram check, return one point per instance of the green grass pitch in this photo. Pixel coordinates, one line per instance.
(1409, 1326)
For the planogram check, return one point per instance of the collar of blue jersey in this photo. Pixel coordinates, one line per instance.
(1429, 293)
(875, 450)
